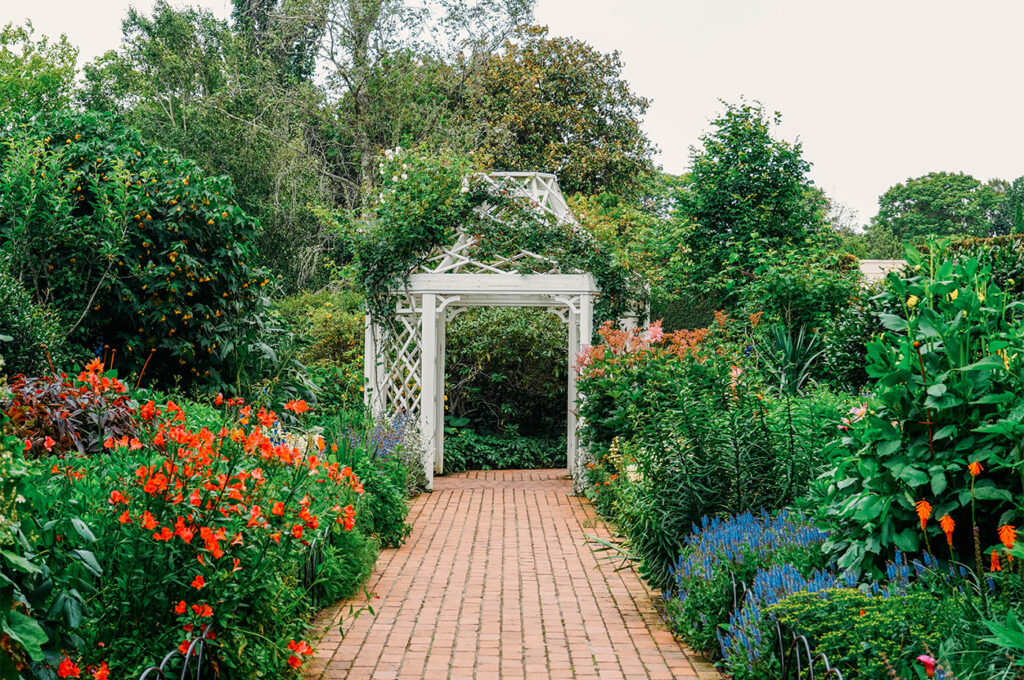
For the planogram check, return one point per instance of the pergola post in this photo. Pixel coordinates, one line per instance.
(428, 388)
(441, 331)
(571, 434)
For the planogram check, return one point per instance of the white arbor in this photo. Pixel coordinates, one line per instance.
(404, 364)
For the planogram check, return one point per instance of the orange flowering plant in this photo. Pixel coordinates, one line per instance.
(205, 526)
(940, 437)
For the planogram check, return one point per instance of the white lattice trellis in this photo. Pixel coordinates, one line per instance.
(405, 366)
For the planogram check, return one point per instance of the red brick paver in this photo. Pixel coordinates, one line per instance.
(498, 581)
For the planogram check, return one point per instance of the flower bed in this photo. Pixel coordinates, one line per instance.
(170, 528)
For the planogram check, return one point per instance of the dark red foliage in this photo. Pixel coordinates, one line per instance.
(57, 414)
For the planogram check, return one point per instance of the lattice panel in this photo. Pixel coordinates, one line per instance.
(543, 194)
(403, 369)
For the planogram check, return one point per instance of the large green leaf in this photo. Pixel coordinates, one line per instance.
(27, 632)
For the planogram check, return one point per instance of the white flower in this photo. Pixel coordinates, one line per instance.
(394, 178)
(464, 190)
(405, 176)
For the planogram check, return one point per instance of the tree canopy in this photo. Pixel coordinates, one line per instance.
(557, 104)
(937, 204)
(749, 193)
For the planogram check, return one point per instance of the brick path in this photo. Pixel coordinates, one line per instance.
(497, 581)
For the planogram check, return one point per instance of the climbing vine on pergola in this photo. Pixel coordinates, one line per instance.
(442, 240)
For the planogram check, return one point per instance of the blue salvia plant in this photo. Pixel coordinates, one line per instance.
(721, 552)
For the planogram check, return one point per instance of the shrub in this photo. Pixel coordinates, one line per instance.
(948, 382)
(156, 258)
(57, 414)
(506, 367)
(800, 287)
(331, 326)
(722, 552)
(699, 431)
(865, 634)
(465, 449)
(374, 453)
(32, 331)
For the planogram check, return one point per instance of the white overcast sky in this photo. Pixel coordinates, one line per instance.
(877, 90)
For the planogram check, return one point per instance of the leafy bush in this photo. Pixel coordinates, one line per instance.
(375, 454)
(846, 337)
(47, 568)
(507, 367)
(156, 258)
(465, 449)
(722, 552)
(32, 331)
(57, 414)
(865, 634)
(686, 426)
(948, 387)
(801, 288)
(331, 326)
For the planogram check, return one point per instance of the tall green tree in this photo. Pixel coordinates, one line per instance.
(286, 32)
(937, 204)
(399, 72)
(749, 194)
(188, 81)
(35, 74)
(1008, 216)
(558, 105)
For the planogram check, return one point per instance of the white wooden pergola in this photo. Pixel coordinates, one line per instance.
(405, 365)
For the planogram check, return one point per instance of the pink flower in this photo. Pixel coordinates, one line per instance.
(929, 665)
(654, 332)
(858, 412)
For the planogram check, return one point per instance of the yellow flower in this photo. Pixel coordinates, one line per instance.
(953, 295)
(912, 301)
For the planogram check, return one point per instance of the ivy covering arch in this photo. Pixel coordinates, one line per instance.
(493, 253)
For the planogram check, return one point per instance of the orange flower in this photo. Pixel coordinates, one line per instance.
(947, 524)
(68, 669)
(975, 468)
(148, 521)
(198, 582)
(125, 518)
(202, 611)
(277, 508)
(1007, 535)
(180, 607)
(924, 511)
(995, 562)
(101, 673)
(297, 406)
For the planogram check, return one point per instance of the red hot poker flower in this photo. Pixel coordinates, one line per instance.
(1007, 535)
(924, 511)
(947, 525)
(995, 566)
(975, 468)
